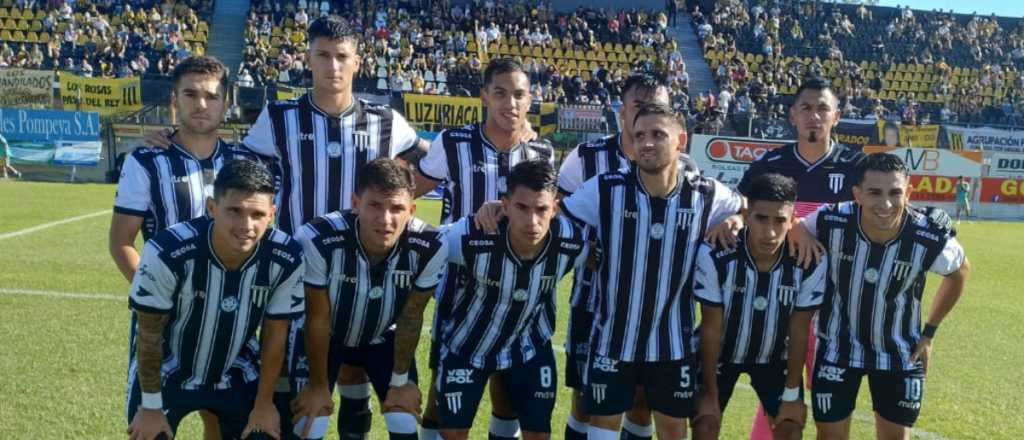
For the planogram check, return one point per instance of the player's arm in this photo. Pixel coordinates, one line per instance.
(151, 299)
(726, 218)
(953, 265)
(130, 207)
(709, 293)
(803, 239)
(315, 399)
(432, 168)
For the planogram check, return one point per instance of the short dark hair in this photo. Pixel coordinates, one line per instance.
(386, 175)
(499, 66)
(537, 175)
(200, 65)
(661, 110)
(644, 80)
(882, 163)
(244, 176)
(331, 27)
(814, 83)
(771, 187)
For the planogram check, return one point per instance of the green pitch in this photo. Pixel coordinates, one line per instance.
(63, 320)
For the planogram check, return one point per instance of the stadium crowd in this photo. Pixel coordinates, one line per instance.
(103, 38)
(917, 66)
(576, 57)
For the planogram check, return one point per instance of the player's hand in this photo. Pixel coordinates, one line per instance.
(406, 398)
(708, 421)
(488, 215)
(724, 234)
(312, 401)
(524, 134)
(808, 250)
(922, 353)
(939, 217)
(148, 424)
(159, 138)
(795, 411)
(263, 419)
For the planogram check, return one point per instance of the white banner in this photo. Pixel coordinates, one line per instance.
(727, 158)
(985, 138)
(934, 161)
(1006, 165)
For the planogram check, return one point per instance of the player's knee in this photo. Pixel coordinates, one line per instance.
(578, 409)
(528, 435)
(705, 429)
(787, 430)
(455, 434)
(349, 375)
(211, 425)
(832, 431)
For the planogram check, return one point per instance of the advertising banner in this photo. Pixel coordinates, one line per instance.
(1002, 190)
(892, 134)
(727, 158)
(48, 125)
(933, 172)
(454, 111)
(1006, 165)
(988, 139)
(77, 153)
(108, 96)
(26, 88)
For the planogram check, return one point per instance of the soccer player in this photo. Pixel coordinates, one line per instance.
(756, 307)
(586, 161)
(472, 164)
(823, 169)
(160, 187)
(503, 317)
(963, 198)
(880, 250)
(5, 159)
(202, 288)
(650, 219)
(362, 269)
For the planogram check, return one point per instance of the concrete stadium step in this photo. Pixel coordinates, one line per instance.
(227, 33)
(701, 77)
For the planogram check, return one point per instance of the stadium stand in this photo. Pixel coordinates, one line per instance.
(573, 57)
(108, 38)
(916, 65)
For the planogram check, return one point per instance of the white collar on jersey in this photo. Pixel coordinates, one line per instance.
(185, 151)
(515, 257)
(832, 147)
(351, 108)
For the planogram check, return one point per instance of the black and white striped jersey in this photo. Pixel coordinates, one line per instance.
(472, 171)
(320, 155)
(166, 186)
(756, 305)
(366, 299)
(871, 314)
(214, 312)
(506, 310)
(584, 162)
(645, 308)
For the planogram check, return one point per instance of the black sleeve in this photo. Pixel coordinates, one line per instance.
(756, 169)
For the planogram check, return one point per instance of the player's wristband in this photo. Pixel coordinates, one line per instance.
(791, 394)
(152, 401)
(929, 331)
(398, 380)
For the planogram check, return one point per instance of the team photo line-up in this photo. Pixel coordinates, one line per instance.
(281, 268)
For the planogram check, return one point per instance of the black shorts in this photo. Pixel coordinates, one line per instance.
(895, 395)
(768, 381)
(531, 387)
(670, 386)
(231, 406)
(577, 347)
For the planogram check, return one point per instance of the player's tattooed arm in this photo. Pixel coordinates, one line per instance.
(150, 349)
(413, 155)
(408, 328)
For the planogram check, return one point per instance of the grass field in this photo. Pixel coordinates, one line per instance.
(63, 319)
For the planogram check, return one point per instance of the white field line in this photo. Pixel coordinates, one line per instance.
(25, 231)
(858, 415)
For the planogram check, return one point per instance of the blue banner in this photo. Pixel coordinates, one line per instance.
(48, 125)
(78, 153)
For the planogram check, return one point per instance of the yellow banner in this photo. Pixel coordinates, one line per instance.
(289, 92)
(453, 111)
(899, 135)
(108, 96)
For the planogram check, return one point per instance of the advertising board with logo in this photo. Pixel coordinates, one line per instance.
(933, 172)
(727, 158)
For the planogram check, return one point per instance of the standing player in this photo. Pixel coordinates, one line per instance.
(473, 164)
(586, 161)
(5, 159)
(503, 317)
(963, 198)
(362, 269)
(756, 307)
(160, 187)
(202, 288)
(880, 251)
(823, 169)
(649, 218)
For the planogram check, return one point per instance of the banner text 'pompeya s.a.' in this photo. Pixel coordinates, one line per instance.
(727, 158)
(933, 172)
(26, 88)
(107, 96)
(455, 111)
(52, 136)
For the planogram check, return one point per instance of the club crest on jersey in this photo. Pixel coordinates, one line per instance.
(871, 275)
(229, 304)
(684, 216)
(786, 295)
(361, 140)
(334, 149)
(402, 278)
(901, 269)
(599, 391)
(547, 282)
(657, 231)
(259, 295)
(835, 182)
(376, 292)
(520, 295)
(760, 303)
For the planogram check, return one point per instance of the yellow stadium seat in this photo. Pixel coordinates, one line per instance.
(16, 12)
(5, 35)
(44, 37)
(32, 37)
(18, 36)
(4, 13)
(10, 24)
(558, 54)
(537, 51)
(471, 46)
